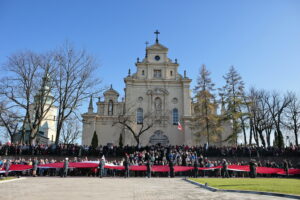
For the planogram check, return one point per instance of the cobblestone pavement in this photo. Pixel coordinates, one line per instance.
(55, 188)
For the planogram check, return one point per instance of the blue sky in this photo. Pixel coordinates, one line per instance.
(260, 38)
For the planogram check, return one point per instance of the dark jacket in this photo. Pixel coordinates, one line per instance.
(126, 164)
(224, 165)
(149, 165)
(101, 164)
(35, 164)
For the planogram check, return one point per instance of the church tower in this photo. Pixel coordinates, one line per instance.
(48, 125)
(47, 130)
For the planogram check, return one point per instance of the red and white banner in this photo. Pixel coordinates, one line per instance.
(154, 168)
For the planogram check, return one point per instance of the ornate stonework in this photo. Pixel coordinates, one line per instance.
(156, 87)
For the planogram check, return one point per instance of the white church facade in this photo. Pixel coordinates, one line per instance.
(156, 91)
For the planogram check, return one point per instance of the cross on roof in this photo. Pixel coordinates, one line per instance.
(156, 32)
(146, 49)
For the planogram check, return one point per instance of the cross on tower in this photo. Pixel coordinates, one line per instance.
(156, 32)
(146, 49)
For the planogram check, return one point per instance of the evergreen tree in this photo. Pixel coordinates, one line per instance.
(232, 93)
(206, 121)
(94, 143)
(121, 140)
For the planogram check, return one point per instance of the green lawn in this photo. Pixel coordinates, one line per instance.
(6, 178)
(278, 185)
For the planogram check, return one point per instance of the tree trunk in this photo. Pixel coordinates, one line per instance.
(207, 131)
(268, 135)
(296, 139)
(12, 138)
(256, 138)
(244, 132)
(235, 132)
(33, 134)
(250, 135)
(262, 139)
(137, 139)
(58, 130)
(280, 140)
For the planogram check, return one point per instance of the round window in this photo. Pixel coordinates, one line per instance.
(140, 99)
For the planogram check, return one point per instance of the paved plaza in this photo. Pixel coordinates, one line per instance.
(55, 188)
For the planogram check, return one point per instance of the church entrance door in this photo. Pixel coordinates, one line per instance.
(159, 138)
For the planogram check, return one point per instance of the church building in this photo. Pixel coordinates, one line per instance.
(157, 100)
(47, 130)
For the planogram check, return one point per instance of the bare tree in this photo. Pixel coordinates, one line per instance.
(75, 82)
(261, 121)
(10, 120)
(266, 116)
(292, 113)
(260, 114)
(277, 105)
(137, 128)
(27, 86)
(70, 132)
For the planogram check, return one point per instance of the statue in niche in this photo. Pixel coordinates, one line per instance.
(110, 107)
(157, 104)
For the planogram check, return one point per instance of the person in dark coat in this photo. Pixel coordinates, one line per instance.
(286, 167)
(7, 165)
(252, 166)
(171, 166)
(101, 167)
(196, 165)
(35, 167)
(149, 166)
(126, 166)
(225, 169)
(66, 167)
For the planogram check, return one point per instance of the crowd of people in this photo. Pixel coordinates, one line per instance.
(117, 151)
(151, 155)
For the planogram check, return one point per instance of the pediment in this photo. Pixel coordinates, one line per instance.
(157, 46)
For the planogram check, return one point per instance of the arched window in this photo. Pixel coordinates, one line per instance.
(110, 107)
(143, 72)
(139, 116)
(175, 116)
(157, 73)
(171, 73)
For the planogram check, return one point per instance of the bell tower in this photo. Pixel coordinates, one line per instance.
(156, 65)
